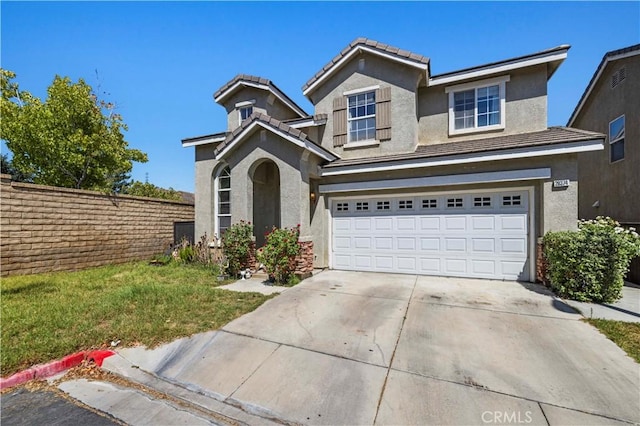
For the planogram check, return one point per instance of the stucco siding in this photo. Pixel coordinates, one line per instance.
(525, 111)
(403, 81)
(204, 168)
(265, 103)
(615, 186)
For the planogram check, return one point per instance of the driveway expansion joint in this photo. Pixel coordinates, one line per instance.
(500, 311)
(486, 389)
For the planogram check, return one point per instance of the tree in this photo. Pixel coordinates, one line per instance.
(146, 189)
(72, 139)
(16, 175)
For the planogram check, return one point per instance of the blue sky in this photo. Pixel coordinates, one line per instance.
(161, 62)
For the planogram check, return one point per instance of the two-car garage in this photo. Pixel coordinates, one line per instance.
(477, 234)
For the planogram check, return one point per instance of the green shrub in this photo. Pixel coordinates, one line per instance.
(590, 264)
(236, 245)
(279, 253)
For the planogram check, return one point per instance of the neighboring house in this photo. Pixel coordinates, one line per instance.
(610, 179)
(398, 170)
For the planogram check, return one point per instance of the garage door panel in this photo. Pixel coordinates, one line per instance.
(342, 243)
(361, 243)
(513, 245)
(383, 262)
(430, 265)
(383, 224)
(430, 223)
(361, 261)
(455, 266)
(479, 236)
(406, 243)
(455, 223)
(406, 224)
(486, 267)
(455, 244)
(362, 224)
(483, 245)
(383, 243)
(430, 244)
(406, 264)
(513, 222)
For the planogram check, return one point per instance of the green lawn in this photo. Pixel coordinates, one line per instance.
(624, 334)
(47, 316)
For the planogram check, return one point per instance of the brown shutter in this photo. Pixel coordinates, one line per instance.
(339, 121)
(383, 114)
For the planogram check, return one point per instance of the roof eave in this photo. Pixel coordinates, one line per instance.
(553, 57)
(355, 51)
(270, 88)
(596, 76)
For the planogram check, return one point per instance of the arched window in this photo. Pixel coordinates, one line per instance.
(223, 201)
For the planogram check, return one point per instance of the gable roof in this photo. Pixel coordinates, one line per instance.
(550, 137)
(362, 44)
(553, 56)
(245, 80)
(611, 56)
(275, 126)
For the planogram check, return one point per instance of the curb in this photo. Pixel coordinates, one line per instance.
(42, 371)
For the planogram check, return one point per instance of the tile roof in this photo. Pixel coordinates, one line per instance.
(263, 81)
(274, 124)
(550, 136)
(596, 75)
(361, 41)
(504, 62)
(203, 137)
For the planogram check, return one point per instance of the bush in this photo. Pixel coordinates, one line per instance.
(590, 264)
(236, 245)
(279, 253)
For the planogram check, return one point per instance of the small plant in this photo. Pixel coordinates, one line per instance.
(236, 245)
(279, 253)
(590, 264)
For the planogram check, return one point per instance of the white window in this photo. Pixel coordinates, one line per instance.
(616, 139)
(430, 203)
(342, 207)
(511, 200)
(383, 205)
(362, 116)
(454, 203)
(481, 201)
(405, 204)
(362, 206)
(223, 201)
(245, 112)
(477, 106)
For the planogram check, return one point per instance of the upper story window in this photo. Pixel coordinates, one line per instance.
(362, 116)
(245, 112)
(245, 109)
(616, 139)
(477, 106)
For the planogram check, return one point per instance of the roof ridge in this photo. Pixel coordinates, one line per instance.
(370, 43)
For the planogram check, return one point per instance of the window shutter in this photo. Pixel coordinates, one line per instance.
(339, 121)
(383, 114)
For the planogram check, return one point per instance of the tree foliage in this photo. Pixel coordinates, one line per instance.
(146, 189)
(8, 169)
(72, 139)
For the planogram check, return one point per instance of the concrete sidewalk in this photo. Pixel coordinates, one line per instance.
(626, 309)
(361, 348)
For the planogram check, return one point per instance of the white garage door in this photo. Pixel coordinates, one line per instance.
(483, 235)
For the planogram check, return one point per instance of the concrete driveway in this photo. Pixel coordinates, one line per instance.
(364, 348)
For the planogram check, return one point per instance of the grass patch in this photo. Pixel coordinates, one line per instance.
(47, 316)
(624, 334)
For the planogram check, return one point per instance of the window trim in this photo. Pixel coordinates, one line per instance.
(475, 85)
(363, 142)
(621, 139)
(216, 201)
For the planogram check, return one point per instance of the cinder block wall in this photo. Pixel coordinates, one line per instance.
(44, 229)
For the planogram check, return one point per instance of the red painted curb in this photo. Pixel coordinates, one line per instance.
(54, 367)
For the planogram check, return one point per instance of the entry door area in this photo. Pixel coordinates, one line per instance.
(479, 235)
